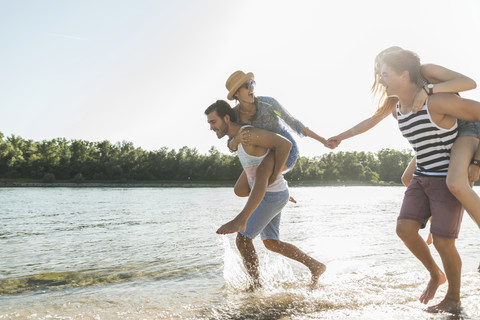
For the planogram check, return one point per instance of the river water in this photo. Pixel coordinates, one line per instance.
(152, 253)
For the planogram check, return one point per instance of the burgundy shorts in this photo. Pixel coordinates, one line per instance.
(429, 196)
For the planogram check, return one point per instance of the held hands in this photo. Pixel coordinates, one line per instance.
(419, 100)
(333, 142)
(311, 134)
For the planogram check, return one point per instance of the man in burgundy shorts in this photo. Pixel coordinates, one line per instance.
(431, 132)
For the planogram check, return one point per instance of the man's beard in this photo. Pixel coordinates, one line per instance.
(222, 131)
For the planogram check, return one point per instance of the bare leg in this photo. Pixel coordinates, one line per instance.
(457, 179)
(407, 177)
(429, 240)
(290, 251)
(407, 230)
(250, 259)
(408, 173)
(453, 269)
(264, 171)
(242, 188)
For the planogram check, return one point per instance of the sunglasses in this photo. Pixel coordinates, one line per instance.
(248, 85)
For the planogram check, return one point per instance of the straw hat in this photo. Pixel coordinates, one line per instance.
(235, 81)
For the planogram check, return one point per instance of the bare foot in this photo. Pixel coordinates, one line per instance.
(432, 286)
(317, 271)
(429, 240)
(232, 227)
(447, 305)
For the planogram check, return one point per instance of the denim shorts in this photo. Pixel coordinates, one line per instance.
(293, 155)
(265, 220)
(428, 197)
(468, 128)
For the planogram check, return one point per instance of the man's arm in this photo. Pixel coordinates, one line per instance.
(451, 105)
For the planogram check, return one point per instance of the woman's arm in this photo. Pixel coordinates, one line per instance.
(232, 144)
(359, 128)
(313, 135)
(283, 114)
(443, 80)
(294, 123)
(446, 80)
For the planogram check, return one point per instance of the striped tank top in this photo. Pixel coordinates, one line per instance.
(432, 144)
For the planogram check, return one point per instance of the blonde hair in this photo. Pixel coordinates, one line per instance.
(385, 103)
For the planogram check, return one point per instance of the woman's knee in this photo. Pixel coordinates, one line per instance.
(457, 185)
(462, 152)
(241, 190)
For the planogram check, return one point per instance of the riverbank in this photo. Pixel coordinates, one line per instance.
(113, 184)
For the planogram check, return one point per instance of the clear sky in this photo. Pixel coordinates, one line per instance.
(144, 71)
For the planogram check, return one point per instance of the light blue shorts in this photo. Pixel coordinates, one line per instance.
(468, 128)
(265, 220)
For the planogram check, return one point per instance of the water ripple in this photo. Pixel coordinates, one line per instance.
(84, 278)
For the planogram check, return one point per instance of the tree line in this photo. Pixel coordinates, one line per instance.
(80, 160)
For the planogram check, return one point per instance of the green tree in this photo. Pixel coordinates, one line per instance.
(392, 164)
(59, 159)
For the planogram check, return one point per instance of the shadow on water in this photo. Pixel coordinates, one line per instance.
(458, 315)
(84, 278)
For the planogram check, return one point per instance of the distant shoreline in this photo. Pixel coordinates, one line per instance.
(66, 184)
(167, 184)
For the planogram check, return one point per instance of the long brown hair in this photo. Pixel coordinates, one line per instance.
(385, 103)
